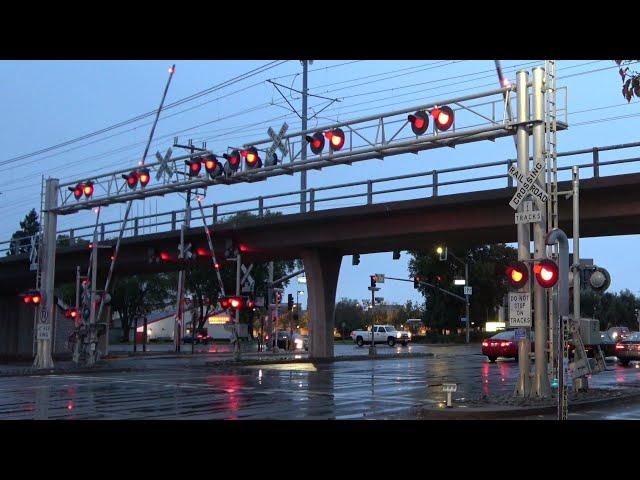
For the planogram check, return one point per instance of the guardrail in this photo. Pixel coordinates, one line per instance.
(281, 203)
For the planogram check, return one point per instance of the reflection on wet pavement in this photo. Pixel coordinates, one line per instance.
(347, 389)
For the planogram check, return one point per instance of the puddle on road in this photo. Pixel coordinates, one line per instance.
(298, 367)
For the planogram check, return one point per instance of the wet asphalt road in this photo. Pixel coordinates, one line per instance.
(187, 388)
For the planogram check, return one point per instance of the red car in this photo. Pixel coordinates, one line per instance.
(503, 344)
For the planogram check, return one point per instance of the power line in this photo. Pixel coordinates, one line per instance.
(219, 86)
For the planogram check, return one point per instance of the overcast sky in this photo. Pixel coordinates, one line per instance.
(50, 102)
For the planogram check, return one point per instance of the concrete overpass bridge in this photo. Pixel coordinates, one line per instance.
(609, 205)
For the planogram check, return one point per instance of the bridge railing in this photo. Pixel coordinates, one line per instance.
(431, 182)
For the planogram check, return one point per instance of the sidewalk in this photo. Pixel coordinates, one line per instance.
(503, 407)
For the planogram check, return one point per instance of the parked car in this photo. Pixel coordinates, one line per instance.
(628, 349)
(607, 345)
(503, 344)
(201, 337)
(301, 342)
(382, 334)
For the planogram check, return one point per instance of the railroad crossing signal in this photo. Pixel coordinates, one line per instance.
(518, 274)
(184, 251)
(164, 164)
(547, 273)
(270, 156)
(528, 185)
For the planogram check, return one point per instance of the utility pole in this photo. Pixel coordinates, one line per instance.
(523, 387)
(303, 153)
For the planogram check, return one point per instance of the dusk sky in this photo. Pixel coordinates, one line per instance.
(46, 103)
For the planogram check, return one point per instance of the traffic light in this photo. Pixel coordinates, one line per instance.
(419, 122)
(355, 259)
(336, 139)
(316, 142)
(233, 162)
(373, 281)
(416, 282)
(77, 191)
(518, 274)
(396, 254)
(32, 296)
(442, 251)
(144, 176)
(290, 302)
(132, 179)
(251, 158)
(443, 117)
(547, 273)
(195, 165)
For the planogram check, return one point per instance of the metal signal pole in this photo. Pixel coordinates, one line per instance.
(523, 387)
(541, 387)
(303, 153)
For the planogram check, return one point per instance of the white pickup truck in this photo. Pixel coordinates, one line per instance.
(381, 334)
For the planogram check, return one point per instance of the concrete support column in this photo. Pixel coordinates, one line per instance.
(322, 267)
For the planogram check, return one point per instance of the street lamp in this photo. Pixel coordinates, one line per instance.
(443, 252)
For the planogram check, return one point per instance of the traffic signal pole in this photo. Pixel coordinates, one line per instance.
(523, 387)
(541, 387)
(236, 326)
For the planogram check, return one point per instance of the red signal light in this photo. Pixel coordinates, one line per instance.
(36, 298)
(27, 298)
(132, 180)
(235, 302)
(547, 273)
(224, 303)
(518, 274)
(216, 266)
(165, 257)
(73, 313)
(251, 157)
(88, 189)
(443, 117)
(77, 191)
(233, 160)
(419, 122)
(316, 142)
(203, 252)
(195, 165)
(144, 176)
(336, 139)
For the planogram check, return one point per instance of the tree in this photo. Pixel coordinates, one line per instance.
(630, 79)
(136, 296)
(486, 276)
(407, 311)
(19, 240)
(611, 309)
(350, 313)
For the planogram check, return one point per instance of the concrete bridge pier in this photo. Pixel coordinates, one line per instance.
(322, 267)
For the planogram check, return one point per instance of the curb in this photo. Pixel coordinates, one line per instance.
(54, 371)
(345, 358)
(420, 413)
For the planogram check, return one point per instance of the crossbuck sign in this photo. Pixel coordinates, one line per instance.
(277, 141)
(528, 185)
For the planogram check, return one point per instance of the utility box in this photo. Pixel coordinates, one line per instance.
(590, 331)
